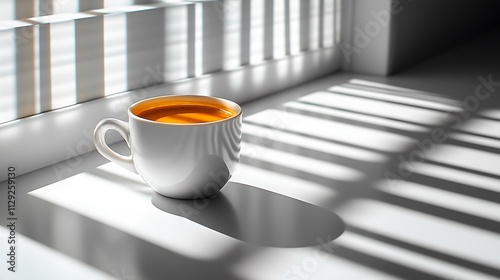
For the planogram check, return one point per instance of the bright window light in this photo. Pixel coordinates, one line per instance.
(376, 108)
(7, 9)
(491, 113)
(115, 53)
(334, 149)
(310, 165)
(37, 256)
(327, 130)
(76, 194)
(338, 17)
(110, 3)
(392, 253)
(58, 72)
(484, 127)
(56, 18)
(62, 62)
(458, 176)
(8, 103)
(38, 97)
(314, 27)
(198, 44)
(423, 230)
(257, 31)
(477, 140)
(232, 35)
(328, 23)
(294, 26)
(60, 7)
(467, 158)
(176, 43)
(279, 29)
(450, 200)
(298, 188)
(123, 9)
(314, 109)
(381, 94)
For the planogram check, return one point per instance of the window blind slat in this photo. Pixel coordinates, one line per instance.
(115, 52)
(87, 5)
(268, 29)
(257, 31)
(287, 28)
(314, 24)
(213, 41)
(328, 22)
(21, 9)
(337, 19)
(279, 44)
(62, 64)
(45, 7)
(191, 38)
(45, 72)
(232, 35)
(245, 32)
(24, 9)
(295, 27)
(321, 22)
(145, 51)
(304, 24)
(89, 58)
(25, 71)
(8, 102)
(176, 44)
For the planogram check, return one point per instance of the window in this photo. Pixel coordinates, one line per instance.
(65, 64)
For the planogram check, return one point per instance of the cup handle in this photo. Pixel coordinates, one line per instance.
(102, 147)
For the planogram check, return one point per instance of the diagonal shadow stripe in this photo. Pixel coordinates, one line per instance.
(311, 153)
(486, 174)
(345, 188)
(455, 187)
(442, 212)
(404, 92)
(424, 251)
(490, 118)
(360, 112)
(480, 135)
(479, 147)
(384, 100)
(316, 137)
(354, 122)
(386, 266)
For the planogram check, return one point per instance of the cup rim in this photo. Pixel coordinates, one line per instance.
(226, 102)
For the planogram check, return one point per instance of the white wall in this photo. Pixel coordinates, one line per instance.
(426, 27)
(381, 37)
(366, 35)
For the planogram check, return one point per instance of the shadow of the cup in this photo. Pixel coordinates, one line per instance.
(258, 216)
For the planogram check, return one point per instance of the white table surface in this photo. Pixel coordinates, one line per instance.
(311, 169)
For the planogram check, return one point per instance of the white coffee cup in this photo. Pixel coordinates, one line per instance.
(178, 160)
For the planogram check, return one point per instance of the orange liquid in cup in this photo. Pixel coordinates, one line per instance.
(188, 113)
